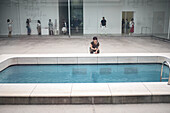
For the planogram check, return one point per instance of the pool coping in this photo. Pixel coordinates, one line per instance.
(83, 93)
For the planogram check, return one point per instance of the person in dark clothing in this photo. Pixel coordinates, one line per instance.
(127, 26)
(28, 26)
(103, 25)
(94, 46)
(123, 25)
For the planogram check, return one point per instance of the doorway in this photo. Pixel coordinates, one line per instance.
(63, 15)
(76, 13)
(126, 18)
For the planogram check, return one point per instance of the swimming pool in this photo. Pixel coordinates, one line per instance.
(83, 73)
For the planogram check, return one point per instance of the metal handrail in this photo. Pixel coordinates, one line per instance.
(165, 62)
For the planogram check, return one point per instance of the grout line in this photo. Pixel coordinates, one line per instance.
(93, 107)
(147, 88)
(71, 89)
(109, 88)
(33, 90)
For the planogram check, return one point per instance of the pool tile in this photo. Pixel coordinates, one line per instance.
(81, 100)
(147, 59)
(58, 90)
(16, 89)
(47, 60)
(87, 60)
(127, 59)
(27, 60)
(128, 89)
(107, 59)
(158, 88)
(14, 100)
(90, 89)
(67, 60)
(49, 100)
(103, 100)
(160, 99)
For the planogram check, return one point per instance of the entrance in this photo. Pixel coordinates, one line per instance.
(126, 18)
(76, 13)
(63, 15)
(71, 17)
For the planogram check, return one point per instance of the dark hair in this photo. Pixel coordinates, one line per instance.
(8, 20)
(39, 21)
(28, 22)
(132, 19)
(49, 19)
(94, 38)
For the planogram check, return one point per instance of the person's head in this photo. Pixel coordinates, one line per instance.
(132, 19)
(39, 21)
(8, 20)
(95, 39)
(103, 18)
(49, 20)
(27, 21)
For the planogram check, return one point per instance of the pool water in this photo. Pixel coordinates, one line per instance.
(83, 73)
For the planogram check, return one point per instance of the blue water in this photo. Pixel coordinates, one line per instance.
(83, 73)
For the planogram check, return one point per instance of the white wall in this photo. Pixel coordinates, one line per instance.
(9, 10)
(20, 10)
(94, 10)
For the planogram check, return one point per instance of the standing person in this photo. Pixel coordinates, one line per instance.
(94, 46)
(77, 22)
(132, 26)
(64, 28)
(28, 26)
(127, 26)
(103, 25)
(9, 22)
(50, 26)
(39, 27)
(123, 25)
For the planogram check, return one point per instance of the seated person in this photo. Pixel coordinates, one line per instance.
(94, 46)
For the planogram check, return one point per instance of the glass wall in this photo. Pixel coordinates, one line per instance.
(76, 13)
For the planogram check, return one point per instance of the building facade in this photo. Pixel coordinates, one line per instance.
(84, 16)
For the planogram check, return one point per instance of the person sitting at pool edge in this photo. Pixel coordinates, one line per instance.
(94, 46)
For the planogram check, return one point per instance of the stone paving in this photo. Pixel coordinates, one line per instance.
(80, 44)
(129, 108)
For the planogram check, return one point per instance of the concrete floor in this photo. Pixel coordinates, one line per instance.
(129, 108)
(80, 44)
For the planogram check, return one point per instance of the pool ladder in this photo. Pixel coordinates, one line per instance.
(165, 62)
